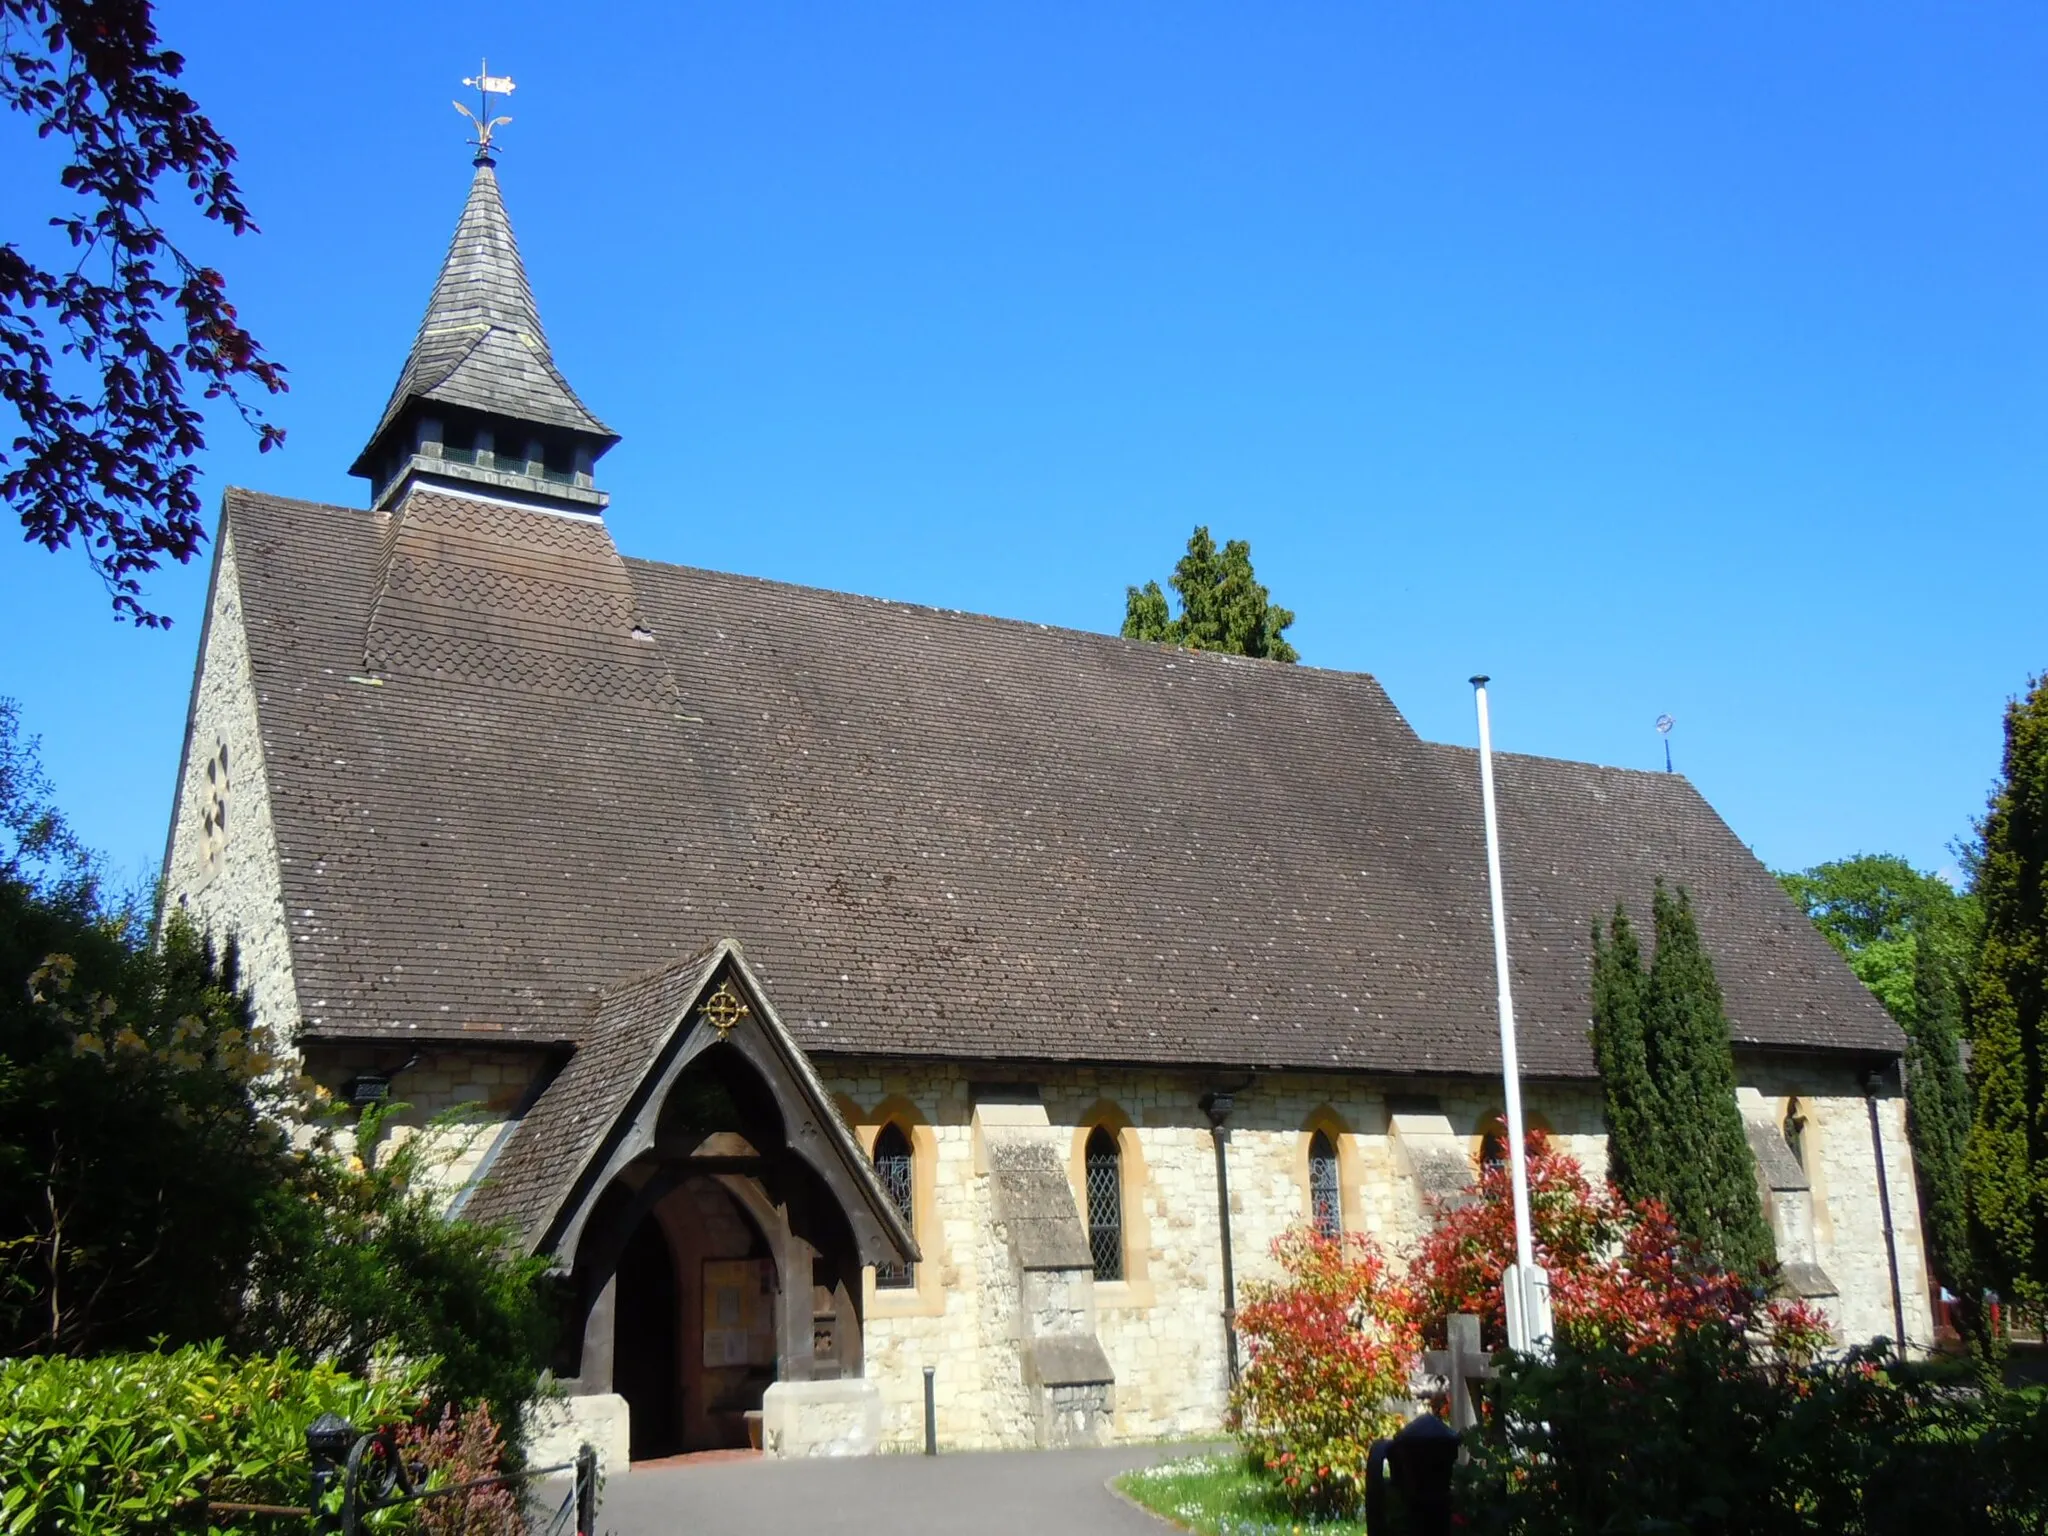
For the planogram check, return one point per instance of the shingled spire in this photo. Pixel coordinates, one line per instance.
(480, 404)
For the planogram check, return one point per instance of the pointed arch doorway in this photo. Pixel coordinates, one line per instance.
(695, 1343)
(714, 1230)
(650, 1311)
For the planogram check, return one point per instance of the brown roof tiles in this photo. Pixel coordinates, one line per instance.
(937, 834)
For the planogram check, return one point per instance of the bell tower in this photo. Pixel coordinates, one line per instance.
(479, 405)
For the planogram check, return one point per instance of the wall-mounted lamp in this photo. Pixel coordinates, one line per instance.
(369, 1088)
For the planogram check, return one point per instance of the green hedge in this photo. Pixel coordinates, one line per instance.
(123, 1443)
(1698, 1437)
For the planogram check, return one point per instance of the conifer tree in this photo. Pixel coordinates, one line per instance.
(1668, 1071)
(1635, 1113)
(2006, 1161)
(1223, 605)
(1938, 1117)
(1710, 1176)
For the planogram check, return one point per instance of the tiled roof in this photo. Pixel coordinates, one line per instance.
(937, 834)
(557, 1147)
(558, 1136)
(480, 345)
(1579, 837)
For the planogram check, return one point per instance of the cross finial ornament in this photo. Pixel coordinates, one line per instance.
(725, 1008)
(486, 85)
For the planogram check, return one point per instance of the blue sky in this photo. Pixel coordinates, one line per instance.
(1677, 359)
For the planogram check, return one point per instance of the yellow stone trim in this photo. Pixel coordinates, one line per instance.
(927, 1296)
(1350, 1166)
(1135, 1289)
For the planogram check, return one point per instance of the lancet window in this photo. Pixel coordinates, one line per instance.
(896, 1171)
(1325, 1187)
(1105, 1203)
(1493, 1146)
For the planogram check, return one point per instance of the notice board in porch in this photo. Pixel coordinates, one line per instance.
(739, 1312)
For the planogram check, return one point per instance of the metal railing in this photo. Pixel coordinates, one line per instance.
(372, 1475)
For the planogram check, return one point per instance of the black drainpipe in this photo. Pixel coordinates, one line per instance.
(1872, 1081)
(1218, 1106)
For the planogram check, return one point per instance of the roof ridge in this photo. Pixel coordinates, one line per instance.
(1657, 775)
(655, 973)
(840, 594)
(975, 615)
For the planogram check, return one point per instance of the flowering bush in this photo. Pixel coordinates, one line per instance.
(1330, 1350)
(1621, 1274)
(461, 1449)
(1459, 1264)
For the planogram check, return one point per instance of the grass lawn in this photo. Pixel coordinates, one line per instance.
(1217, 1496)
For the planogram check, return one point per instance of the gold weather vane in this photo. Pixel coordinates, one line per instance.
(486, 85)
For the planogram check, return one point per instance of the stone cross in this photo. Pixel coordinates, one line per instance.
(1458, 1367)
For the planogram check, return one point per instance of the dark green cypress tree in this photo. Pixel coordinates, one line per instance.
(2006, 1160)
(1635, 1112)
(1710, 1175)
(1938, 1116)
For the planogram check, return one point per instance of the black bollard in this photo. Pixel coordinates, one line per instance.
(1419, 1462)
(328, 1441)
(586, 1490)
(931, 1416)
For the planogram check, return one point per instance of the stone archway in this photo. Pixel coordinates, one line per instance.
(715, 1121)
(694, 1338)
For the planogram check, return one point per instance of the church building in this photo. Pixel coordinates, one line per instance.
(841, 990)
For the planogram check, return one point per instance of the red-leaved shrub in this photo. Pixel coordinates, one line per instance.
(1621, 1274)
(1329, 1350)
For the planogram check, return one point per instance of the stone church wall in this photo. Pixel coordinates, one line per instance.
(465, 1099)
(1848, 1222)
(221, 867)
(1162, 1325)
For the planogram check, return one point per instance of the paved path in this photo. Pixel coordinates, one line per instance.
(992, 1493)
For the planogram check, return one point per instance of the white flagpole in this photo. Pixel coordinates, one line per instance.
(1527, 1287)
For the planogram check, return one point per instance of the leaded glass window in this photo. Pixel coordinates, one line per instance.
(893, 1169)
(1325, 1191)
(1493, 1147)
(1105, 1204)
